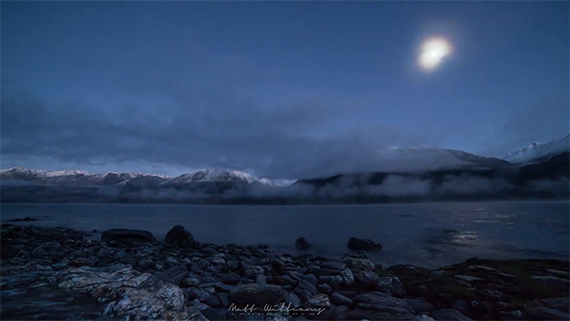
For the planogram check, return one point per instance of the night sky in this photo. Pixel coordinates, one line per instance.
(277, 89)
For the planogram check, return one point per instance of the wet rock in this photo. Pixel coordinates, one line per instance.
(511, 315)
(302, 244)
(367, 280)
(545, 313)
(340, 299)
(553, 281)
(175, 275)
(347, 276)
(461, 306)
(481, 307)
(179, 237)
(359, 264)
(224, 299)
(127, 236)
(467, 278)
(212, 314)
(306, 290)
(363, 244)
(251, 271)
(25, 219)
(257, 294)
(424, 317)
(451, 315)
(48, 250)
(320, 300)
(293, 299)
(325, 288)
(311, 278)
(381, 301)
(391, 284)
(419, 305)
(212, 301)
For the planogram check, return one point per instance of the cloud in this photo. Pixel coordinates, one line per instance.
(225, 128)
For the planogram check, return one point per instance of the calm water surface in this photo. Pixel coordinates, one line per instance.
(431, 235)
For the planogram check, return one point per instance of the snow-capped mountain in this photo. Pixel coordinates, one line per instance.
(71, 177)
(217, 175)
(537, 150)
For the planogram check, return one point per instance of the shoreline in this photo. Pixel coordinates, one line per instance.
(129, 273)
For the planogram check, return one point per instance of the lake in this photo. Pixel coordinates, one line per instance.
(426, 234)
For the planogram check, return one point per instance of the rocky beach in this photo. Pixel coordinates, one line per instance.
(60, 273)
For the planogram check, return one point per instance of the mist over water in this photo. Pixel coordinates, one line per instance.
(428, 234)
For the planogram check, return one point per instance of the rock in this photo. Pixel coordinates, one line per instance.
(359, 264)
(25, 219)
(251, 271)
(424, 317)
(261, 279)
(545, 313)
(347, 276)
(363, 244)
(257, 294)
(482, 268)
(158, 265)
(325, 288)
(179, 237)
(48, 250)
(461, 306)
(563, 274)
(492, 295)
(451, 315)
(306, 290)
(224, 299)
(126, 236)
(467, 278)
(367, 280)
(302, 244)
(391, 284)
(320, 300)
(120, 254)
(212, 314)
(175, 275)
(218, 260)
(340, 299)
(213, 301)
(311, 278)
(438, 274)
(481, 307)
(561, 304)
(219, 287)
(511, 315)
(419, 305)
(381, 301)
(553, 281)
(293, 299)
(404, 269)
(173, 296)
(195, 315)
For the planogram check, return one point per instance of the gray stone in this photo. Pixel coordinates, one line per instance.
(419, 305)
(363, 244)
(451, 315)
(424, 317)
(325, 288)
(359, 264)
(556, 282)
(179, 237)
(460, 305)
(257, 294)
(340, 299)
(381, 301)
(302, 244)
(347, 276)
(224, 299)
(213, 301)
(468, 278)
(320, 300)
(261, 279)
(311, 278)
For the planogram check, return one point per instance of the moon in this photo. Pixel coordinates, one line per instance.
(432, 52)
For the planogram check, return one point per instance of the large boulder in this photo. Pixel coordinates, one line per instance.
(302, 244)
(257, 294)
(355, 243)
(179, 237)
(127, 236)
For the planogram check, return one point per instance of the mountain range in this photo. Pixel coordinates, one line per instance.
(536, 171)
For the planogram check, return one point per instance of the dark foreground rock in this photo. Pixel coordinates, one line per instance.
(55, 273)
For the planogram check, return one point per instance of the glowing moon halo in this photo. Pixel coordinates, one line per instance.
(432, 52)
